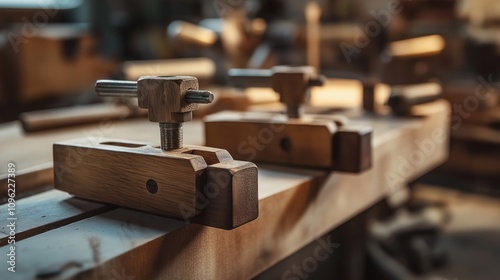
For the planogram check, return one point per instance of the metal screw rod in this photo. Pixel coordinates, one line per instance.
(250, 77)
(171, 136)
(262, 78)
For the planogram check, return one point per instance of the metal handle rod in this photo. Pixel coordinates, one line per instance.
(404, 97)
(261, 78)
(114, 88)
(250, 77)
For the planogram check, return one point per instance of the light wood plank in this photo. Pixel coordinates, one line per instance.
(47, 211)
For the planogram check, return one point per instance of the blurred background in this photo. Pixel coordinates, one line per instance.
(52, 52)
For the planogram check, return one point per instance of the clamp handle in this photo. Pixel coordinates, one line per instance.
(292, 83)
(170, 101)
(118, 88)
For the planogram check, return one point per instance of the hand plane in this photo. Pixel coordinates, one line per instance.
(198, 184)
(291, 138)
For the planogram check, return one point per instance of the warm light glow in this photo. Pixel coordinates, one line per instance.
(198, 67)
(345, 93)
(191, 33)
(337, 93)
(313, 11)
(413, 91)
(382, 93)
(420, 46)
(258, 26)
(261, 95)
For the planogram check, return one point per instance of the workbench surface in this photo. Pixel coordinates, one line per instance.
(61, 236)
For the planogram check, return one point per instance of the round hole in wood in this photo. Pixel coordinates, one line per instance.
(286, 144)
(152, 186)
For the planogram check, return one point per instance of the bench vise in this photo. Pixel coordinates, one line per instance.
(198, 184)
(291, 138)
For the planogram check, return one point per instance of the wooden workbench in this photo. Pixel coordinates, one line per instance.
(63, 237)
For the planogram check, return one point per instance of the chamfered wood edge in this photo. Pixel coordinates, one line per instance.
(230, 195)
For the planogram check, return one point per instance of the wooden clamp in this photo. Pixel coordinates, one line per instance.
(402, 98)
(198, 184)
(291, 139)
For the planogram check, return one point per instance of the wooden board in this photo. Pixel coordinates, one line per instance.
(296, 206)
(47, 211)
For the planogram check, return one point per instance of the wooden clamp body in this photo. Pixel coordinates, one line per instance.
(198, 184)
(274, 138)
(289, 138)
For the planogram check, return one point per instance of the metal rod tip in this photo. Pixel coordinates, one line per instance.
(199, 96)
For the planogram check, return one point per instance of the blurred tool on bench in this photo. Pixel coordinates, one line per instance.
(288, 137)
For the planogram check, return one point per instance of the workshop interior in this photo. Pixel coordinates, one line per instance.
(250, 139)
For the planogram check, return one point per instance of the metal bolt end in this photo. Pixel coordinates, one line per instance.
(171, 136)
(317, 82)
(199, 96)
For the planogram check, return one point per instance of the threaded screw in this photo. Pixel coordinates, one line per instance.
(171, 136)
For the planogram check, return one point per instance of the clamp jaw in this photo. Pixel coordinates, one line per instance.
(198, 184)
(294, 138)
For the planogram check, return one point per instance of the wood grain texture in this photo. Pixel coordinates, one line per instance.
(164, 97)
(104, 238)
(311, 141)
(120, 228)
(28, 181)
(265, 138)
(46, 211)
(119, 175)
(231, 194)
(180, 183)
(352, 149)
